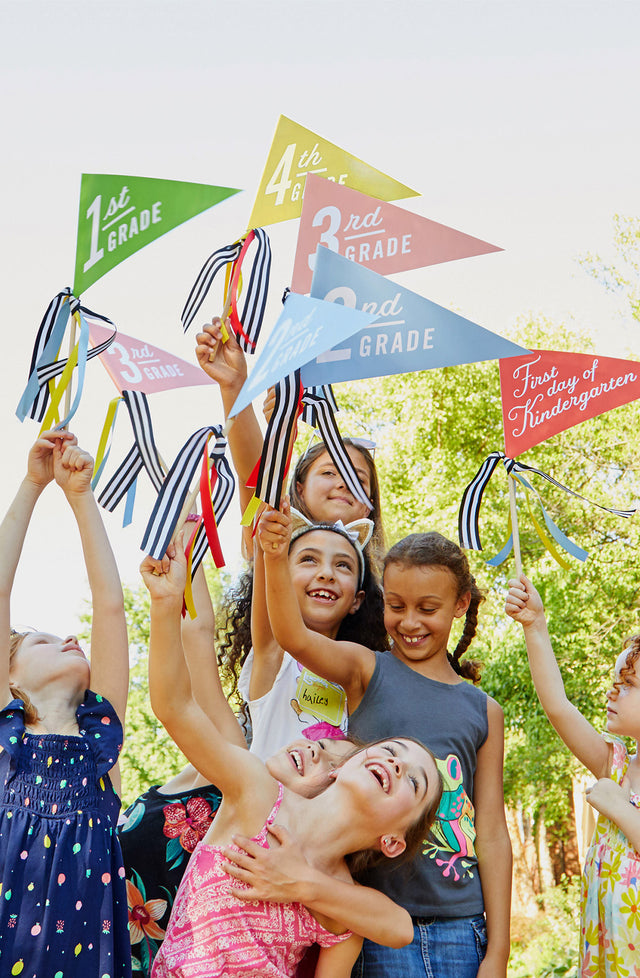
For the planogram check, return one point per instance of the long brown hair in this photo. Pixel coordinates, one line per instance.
(30, 712)
(433, 550)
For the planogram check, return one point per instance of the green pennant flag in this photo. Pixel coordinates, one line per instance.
(119, 215)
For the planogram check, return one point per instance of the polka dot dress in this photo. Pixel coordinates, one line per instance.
(63, 904)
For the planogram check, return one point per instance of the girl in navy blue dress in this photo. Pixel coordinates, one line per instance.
(63, 906)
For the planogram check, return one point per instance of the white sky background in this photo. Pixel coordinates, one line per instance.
(516, 121)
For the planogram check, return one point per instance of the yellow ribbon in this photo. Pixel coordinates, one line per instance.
(106, 431)
(52, 417)
(189, 603)
(249, 514)
(545, 539)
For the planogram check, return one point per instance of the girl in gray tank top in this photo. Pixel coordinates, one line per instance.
(458, 889)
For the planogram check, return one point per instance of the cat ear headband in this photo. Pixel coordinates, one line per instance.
(357, 533)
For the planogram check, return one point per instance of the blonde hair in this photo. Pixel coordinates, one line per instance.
(31, 714)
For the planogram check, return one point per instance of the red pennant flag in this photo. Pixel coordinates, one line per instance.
(546, 391)
(382, 236)
(136, 365)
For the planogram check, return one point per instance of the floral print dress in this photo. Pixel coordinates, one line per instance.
(158, 834)
(610, 898)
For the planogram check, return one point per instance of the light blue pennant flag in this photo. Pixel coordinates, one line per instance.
(306, 327)
(409, 333)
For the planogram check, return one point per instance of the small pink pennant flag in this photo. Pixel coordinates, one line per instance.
(137, 365)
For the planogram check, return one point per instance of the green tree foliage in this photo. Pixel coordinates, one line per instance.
(433, 430)
(622, 276)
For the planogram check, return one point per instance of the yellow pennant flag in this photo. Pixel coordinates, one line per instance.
(295, 152)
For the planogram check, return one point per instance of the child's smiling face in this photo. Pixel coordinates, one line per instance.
(420, 604)
(306, 766)
(325, 572)
(325, 495)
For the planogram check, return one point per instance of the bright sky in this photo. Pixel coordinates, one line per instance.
(514, 120)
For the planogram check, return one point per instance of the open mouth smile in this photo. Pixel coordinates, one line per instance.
(321, 594)
(413, 639)
(298, 761)
(381, 774)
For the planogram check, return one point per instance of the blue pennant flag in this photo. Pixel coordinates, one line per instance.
(409, 333)
(306, 327)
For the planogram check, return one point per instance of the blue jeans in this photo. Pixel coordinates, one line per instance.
(441, 948)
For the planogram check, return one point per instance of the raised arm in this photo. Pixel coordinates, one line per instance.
(267, 653)
(282, 875)
(346, 663)
(523, 604)
(13, 530)
(198, 641)
(109, 644)
(493, 846)
(224, 764)
(229, 369)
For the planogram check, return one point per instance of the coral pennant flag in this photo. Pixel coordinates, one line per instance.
(119, 215)
(297, 152)
(136, 365)
(372, 232)
(548, 391)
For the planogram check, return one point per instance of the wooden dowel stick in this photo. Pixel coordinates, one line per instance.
(514, 525)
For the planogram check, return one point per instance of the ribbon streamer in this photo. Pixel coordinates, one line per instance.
(328, 428)
(309, 413)
(468, 514)
(247, 326)
(40, 392)
(175, 489)
(268, 477)
(143, 453)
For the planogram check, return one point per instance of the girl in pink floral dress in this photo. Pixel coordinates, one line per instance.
(610, 898)
(380, 798)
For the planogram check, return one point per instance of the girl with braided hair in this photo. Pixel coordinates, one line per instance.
(609, 892)
(457, 889)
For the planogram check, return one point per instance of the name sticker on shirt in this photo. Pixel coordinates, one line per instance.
(321, 698)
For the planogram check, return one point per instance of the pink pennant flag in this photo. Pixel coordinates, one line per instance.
(136, 365)
(373, 233)
(546, 391)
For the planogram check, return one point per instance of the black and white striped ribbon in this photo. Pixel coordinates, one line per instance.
(255, 302)
(277, 439)
(143, 453)
(222, 495)
(51, 370)
(308, 406)
(41, 372)
(204, 281)
(468, 514)
(256, 294)
(328, 427)
(175, 489)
